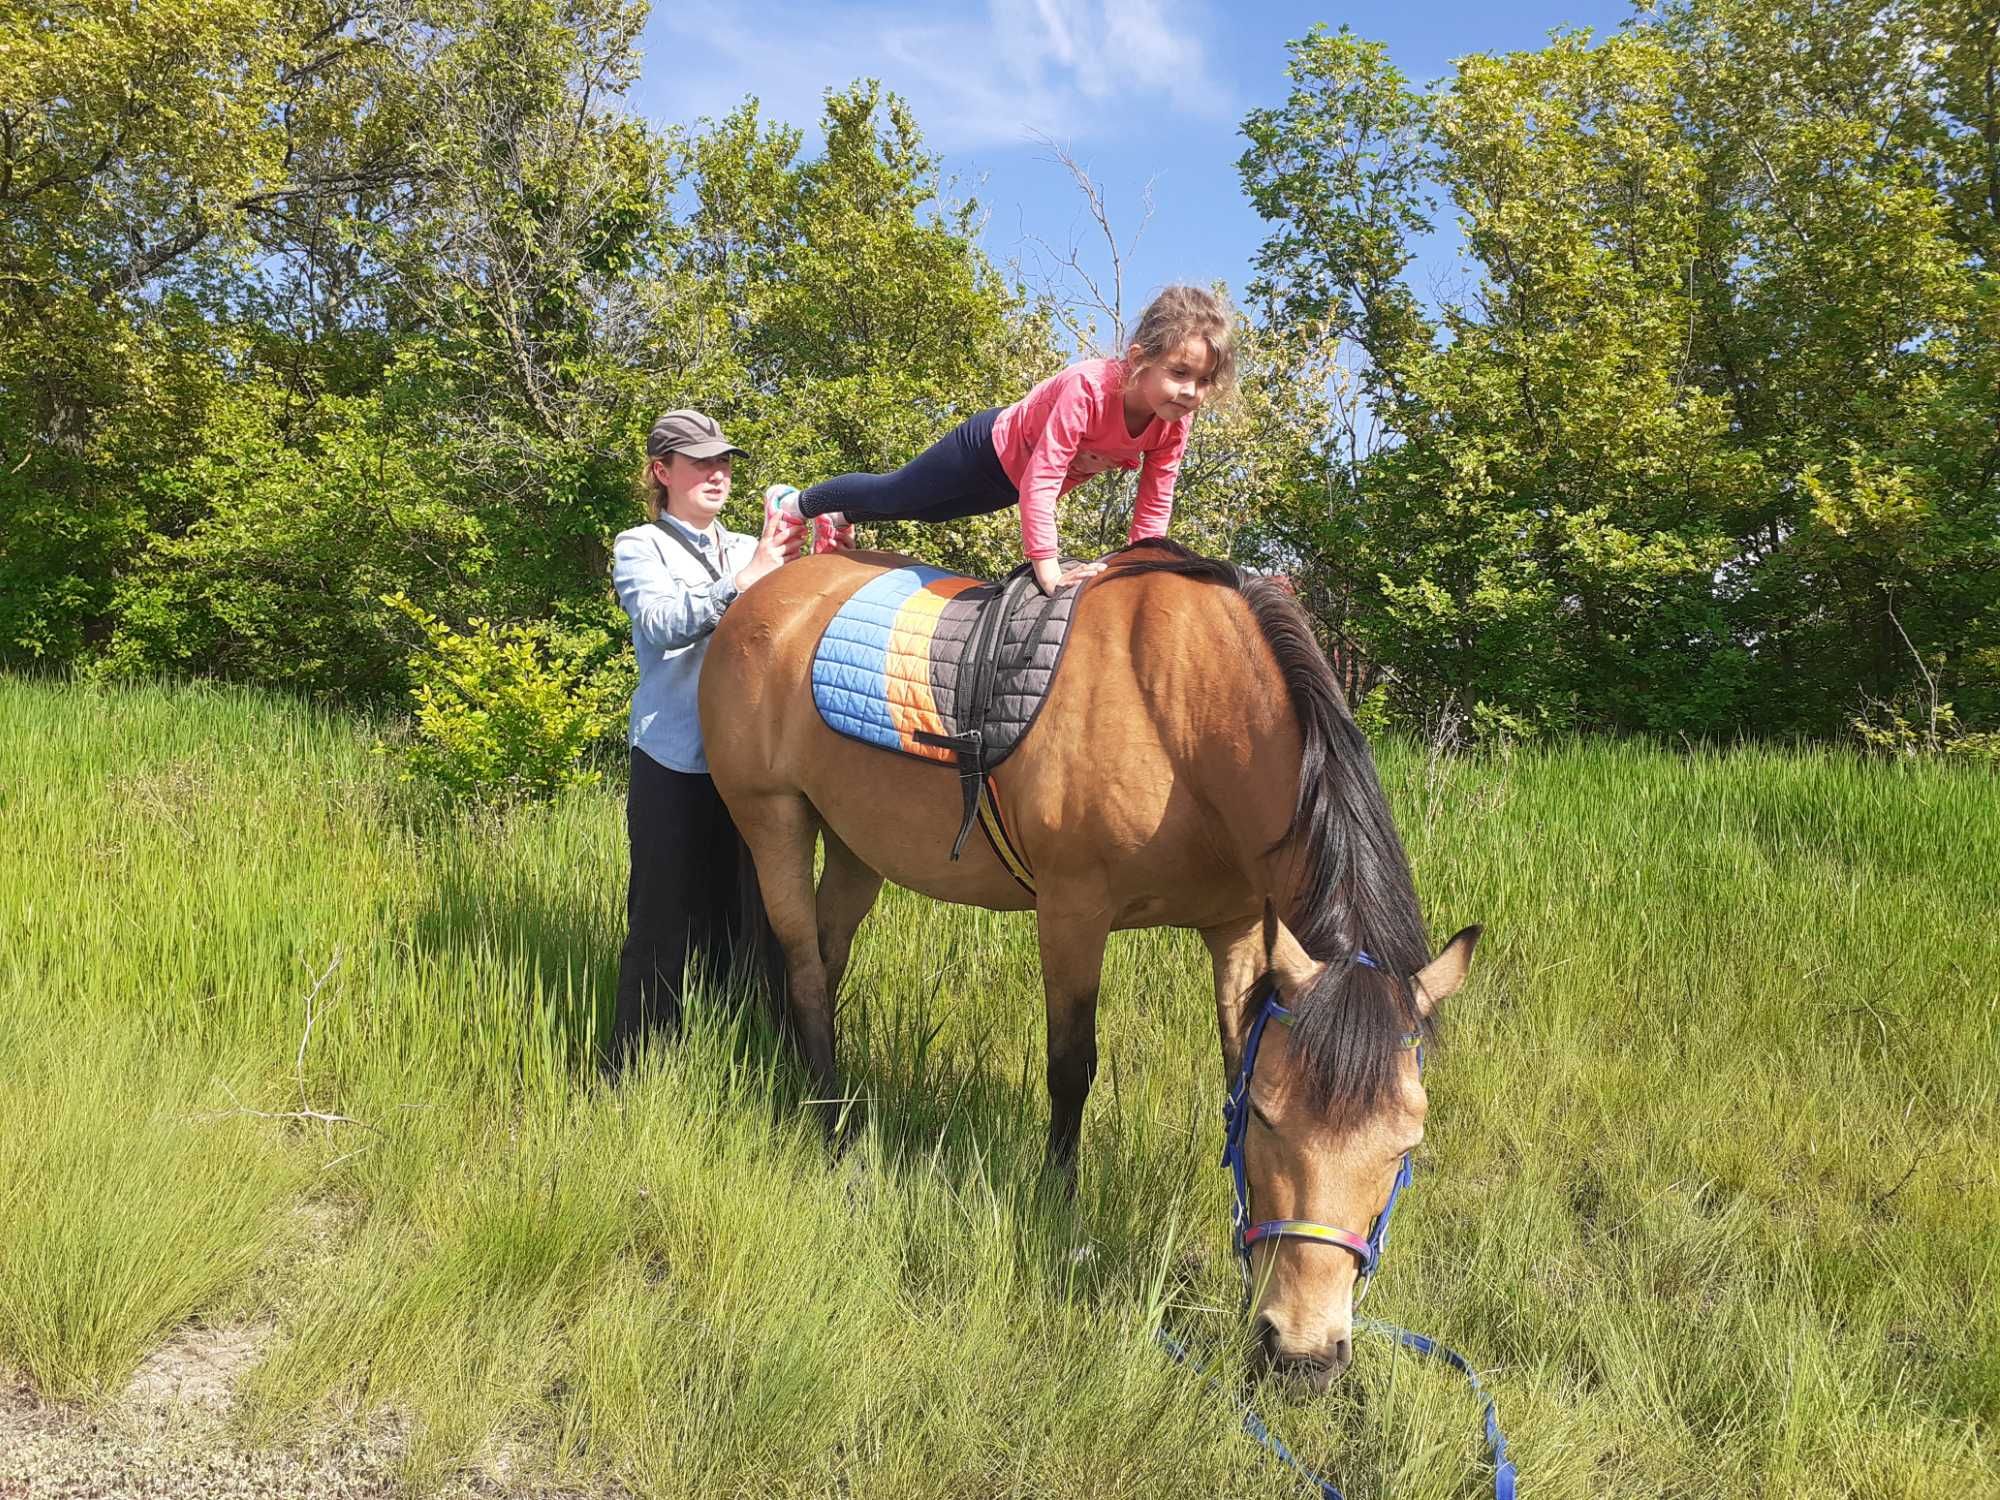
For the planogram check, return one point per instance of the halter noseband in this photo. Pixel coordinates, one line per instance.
(1366, 1249)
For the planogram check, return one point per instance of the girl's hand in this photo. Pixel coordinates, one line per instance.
(1080, 572)
(1049, 574)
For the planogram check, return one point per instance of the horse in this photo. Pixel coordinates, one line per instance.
(1194, 765)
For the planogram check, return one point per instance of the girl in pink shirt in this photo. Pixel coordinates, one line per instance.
(1129, 413)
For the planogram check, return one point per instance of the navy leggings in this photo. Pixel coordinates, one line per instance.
(958, 475)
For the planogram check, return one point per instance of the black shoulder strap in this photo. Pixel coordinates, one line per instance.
(692, 550)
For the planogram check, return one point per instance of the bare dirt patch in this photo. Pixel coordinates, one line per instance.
(197, 1368)
(167, 1437)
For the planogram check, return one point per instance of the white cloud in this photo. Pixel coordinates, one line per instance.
(983, 75)
(1054, 29)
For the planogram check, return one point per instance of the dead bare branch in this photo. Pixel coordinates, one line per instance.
(1073, 286)
(299, 1060)
(324, 1117)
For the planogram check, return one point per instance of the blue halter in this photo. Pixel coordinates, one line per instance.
(1367, 1250)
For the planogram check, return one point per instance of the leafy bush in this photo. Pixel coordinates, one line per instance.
(507, 713)
(1929, 732)
(275, 544)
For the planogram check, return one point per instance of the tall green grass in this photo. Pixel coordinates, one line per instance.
(1710, 1187)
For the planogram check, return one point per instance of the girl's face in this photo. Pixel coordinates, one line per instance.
(1173, 386)
(697, 488)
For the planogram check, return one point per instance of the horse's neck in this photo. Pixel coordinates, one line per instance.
(1247, 759)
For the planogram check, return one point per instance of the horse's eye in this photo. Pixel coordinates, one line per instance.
(1262, 1118)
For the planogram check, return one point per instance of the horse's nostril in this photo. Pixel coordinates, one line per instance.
(1301, 1367)
(1318, 1367)
(1267, 1337)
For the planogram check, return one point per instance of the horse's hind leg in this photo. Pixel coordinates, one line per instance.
(847, 892)
(780, 827)
(1072, 942)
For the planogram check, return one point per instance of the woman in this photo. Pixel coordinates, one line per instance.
(675, 576)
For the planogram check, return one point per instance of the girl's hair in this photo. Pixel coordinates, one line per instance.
(1181, 313)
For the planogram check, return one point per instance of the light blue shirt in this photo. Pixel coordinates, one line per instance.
(674, 606)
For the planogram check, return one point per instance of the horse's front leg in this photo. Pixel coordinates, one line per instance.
(1237, 949)
(1072, 942)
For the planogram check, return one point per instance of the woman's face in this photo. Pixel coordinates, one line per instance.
(697, 488)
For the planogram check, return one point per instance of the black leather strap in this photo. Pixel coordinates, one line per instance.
(978, 675)
(692, 550)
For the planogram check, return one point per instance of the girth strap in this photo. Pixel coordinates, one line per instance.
(976, 699)
(993, 822)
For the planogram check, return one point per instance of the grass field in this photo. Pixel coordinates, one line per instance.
(1711, 1189)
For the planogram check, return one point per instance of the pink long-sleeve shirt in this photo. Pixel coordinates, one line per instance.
(1072, 426)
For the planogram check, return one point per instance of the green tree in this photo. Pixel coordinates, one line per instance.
(1344, 171)
(521, 279)
(299, 532)
(837, 311)
(1850, 315)
(1720, 407)
(438, 387)
(147, 152)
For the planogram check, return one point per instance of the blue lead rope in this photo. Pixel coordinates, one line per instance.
(1256, 1427)
(1496, 1444)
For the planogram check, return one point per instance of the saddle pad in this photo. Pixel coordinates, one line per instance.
(890, 663)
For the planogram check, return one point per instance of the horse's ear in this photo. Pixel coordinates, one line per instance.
(1440, 978)
(1296, 969)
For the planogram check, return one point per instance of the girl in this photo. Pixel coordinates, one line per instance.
(1129, 413)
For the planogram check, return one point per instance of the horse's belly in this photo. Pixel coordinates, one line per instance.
(961, 882)
(899, 815)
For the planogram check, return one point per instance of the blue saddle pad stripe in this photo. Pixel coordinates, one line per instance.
(850, 676)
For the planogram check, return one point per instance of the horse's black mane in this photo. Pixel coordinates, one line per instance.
(1355, 893)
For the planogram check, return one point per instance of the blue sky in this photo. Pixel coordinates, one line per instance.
(1136, 90)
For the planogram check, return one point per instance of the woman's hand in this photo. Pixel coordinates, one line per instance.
(783, 540)
(1049, 574)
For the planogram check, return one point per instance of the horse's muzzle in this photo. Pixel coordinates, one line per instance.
(1318, 1366)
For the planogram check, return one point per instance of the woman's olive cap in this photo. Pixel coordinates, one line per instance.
(689, 432)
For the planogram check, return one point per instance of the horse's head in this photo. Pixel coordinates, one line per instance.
(1322, 1146)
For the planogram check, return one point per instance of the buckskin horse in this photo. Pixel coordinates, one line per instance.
(1194, 766)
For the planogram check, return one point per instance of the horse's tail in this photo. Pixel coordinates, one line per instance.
(758, 959)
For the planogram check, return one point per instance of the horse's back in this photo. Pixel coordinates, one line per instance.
(767, 742)
(1149, 732)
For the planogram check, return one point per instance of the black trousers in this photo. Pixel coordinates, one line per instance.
(687, 903)
(958, 475)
